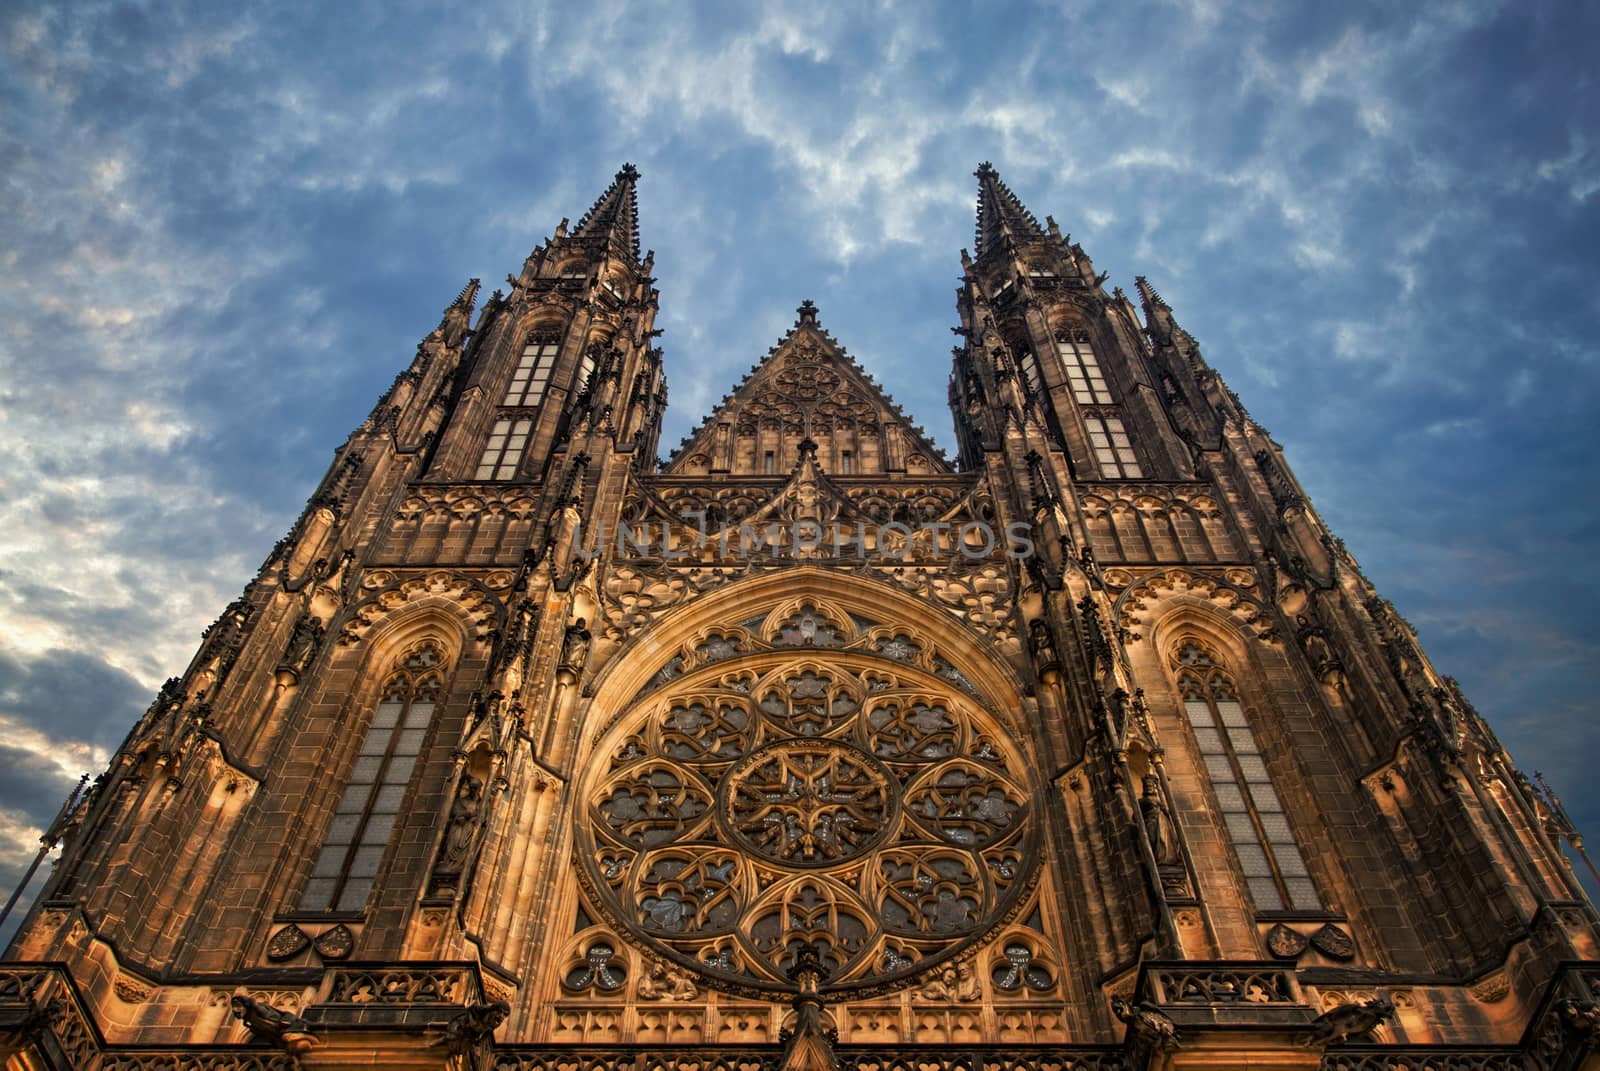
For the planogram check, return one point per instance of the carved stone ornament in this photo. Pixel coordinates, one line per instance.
(287, 943)
(336, 944)
(1492, 988)
(131, 989)
(1285, 943)
(761, 802)
(1334, 943)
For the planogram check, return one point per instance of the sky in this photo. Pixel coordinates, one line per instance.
(224, 228)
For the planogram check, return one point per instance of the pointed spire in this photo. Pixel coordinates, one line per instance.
(457, 316)
(1157, 313)
(615, 215)
(999, 211)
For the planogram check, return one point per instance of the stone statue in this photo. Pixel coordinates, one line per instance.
(1044, 645)
(575, 646)
(955, 982)
(1157, 821)
(462, 827)
(667, 983)
(266, 1023)
(303, 641)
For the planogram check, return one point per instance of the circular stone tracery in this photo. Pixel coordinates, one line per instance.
(844, 799)
(808, 802)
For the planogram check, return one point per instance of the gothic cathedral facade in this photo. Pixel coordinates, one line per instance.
(808, 747)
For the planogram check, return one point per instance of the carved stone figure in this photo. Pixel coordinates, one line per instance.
(1348, 1021)
(266, 1023)
(1157, 821)
(1582, 1019)
(575, 646)
(1148, 1027)
(956, 982)
(667, 983)
(474, 1025)
(303, 641)
(1043, 644)
(462, 827)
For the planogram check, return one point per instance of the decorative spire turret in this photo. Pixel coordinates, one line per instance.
(1157, 313)
(615, 215)
(456, 321)
(1000, 212)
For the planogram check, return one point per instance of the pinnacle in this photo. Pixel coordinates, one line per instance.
(468, 295)
(1000, 212)
(1148, 292)
(615, 214)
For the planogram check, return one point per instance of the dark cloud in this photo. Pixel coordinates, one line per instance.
(69, 695)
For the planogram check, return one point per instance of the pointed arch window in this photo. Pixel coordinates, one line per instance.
(507, 440)
(1030, 372)
(1274, 870)
(1112, 448)
(532, 374)
(1084, 376)
(364, 818)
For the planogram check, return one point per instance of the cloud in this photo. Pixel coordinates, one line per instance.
(222, 232)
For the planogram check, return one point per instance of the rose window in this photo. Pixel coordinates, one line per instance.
(856, 801)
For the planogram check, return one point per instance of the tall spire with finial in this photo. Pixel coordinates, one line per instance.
(615, 215)
(999, 211)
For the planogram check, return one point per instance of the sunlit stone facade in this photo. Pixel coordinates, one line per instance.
(809, 746)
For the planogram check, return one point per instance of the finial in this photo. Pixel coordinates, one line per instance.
(628, 172)
(807, 311)
(809, 1047)
(985, 170)
(808, 448)
(1148, 292)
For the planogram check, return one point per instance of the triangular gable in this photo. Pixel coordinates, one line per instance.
(807, 387)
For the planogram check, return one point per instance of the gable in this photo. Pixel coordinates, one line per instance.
(807, 388)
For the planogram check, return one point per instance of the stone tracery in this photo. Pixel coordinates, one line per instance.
(774, 795)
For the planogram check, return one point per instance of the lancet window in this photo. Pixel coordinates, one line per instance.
(532, 374)
(1274, 870)
(507, 441)
(1112, 448)
(1084, 376)
(364, 818)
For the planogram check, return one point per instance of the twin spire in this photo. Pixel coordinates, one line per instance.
(615, 214)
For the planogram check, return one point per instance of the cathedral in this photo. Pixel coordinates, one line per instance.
(808, 747)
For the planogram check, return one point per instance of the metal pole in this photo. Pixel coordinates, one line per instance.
(1568, 831)
(47, 843)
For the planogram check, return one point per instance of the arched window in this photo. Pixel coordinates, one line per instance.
(1030, 372)
(1274, 869)
(1112, 448)
(345, 868)
(532, 373)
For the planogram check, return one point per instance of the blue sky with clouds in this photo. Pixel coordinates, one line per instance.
(223, 228)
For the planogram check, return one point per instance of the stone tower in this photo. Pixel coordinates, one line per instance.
(808, 747)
